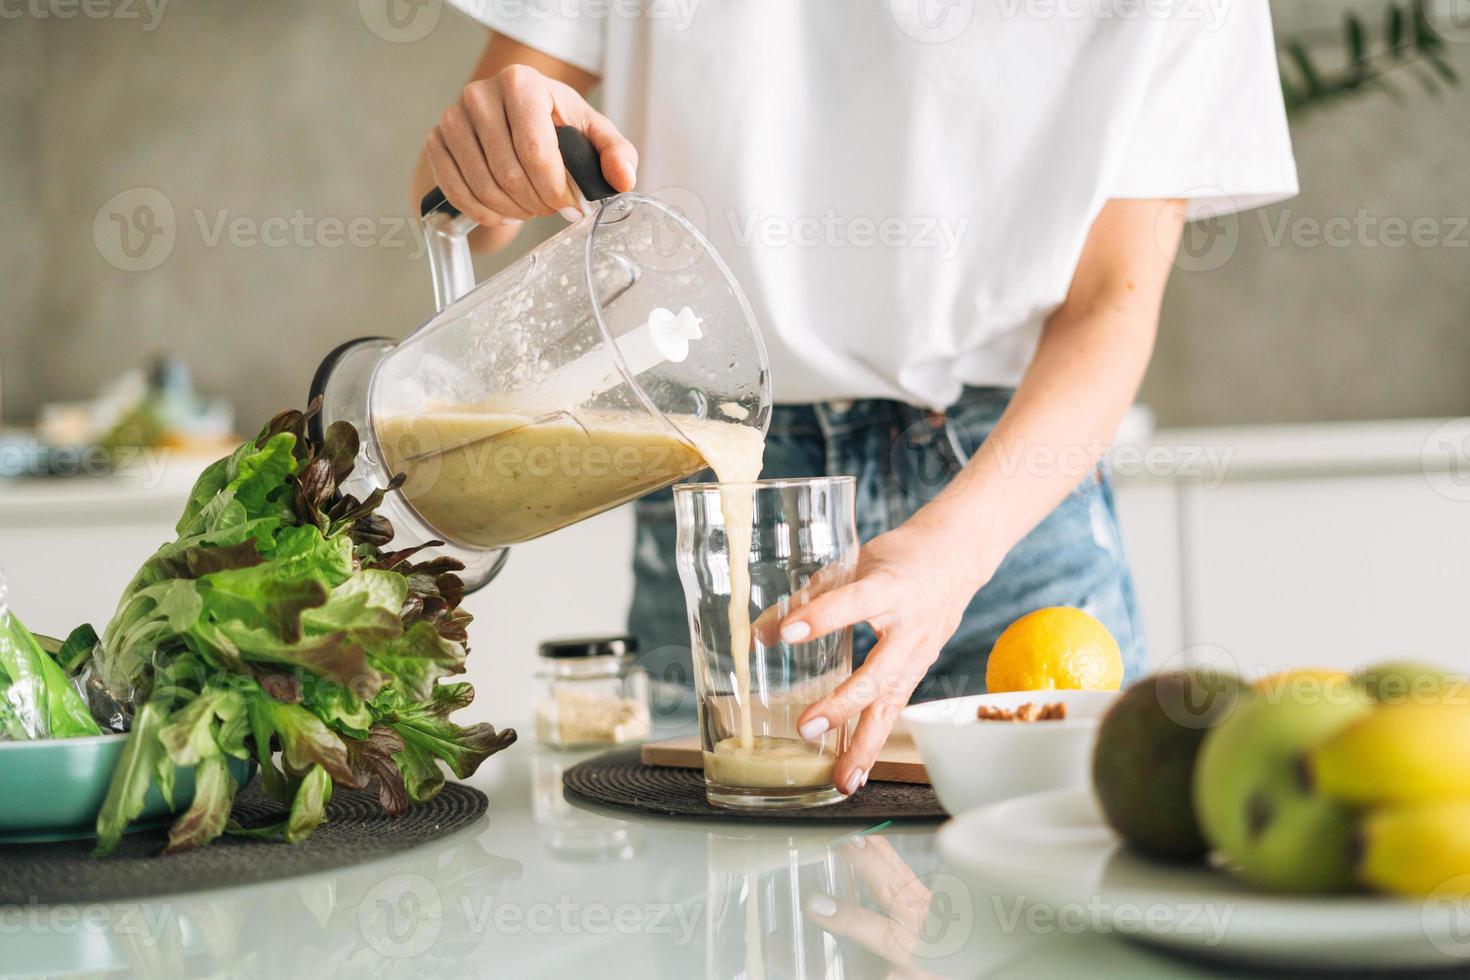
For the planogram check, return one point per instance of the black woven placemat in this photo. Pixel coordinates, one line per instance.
(620, 779)
(356, 831)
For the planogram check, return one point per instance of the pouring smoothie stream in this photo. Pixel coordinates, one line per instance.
(744, 759)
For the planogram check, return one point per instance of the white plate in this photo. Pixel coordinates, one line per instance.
(1054, 851)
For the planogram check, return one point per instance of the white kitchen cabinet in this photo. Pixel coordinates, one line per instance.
(69, 547)
(1333, 545)
(1148, 516)
(1335, 572)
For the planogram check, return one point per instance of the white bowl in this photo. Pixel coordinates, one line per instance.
(973, 763)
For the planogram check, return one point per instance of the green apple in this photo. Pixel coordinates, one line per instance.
(1254, 807)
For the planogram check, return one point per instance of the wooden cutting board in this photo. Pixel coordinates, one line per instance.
(899, 761)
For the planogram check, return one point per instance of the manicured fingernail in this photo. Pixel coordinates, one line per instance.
(571, 214)
(795, 632)
(821, 905)
(859, 842)
(813, 729)
(856, 780)
(510, 221)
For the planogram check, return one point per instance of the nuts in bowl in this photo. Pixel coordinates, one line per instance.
(990, 747)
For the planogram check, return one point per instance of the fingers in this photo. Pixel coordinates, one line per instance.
(524, 152)
(619, 157)
(461, 136)
(852, 603)
(495, 153)
(875, 694)
(873, 931)
(767, 626)
(449, 180)
(852, 769)
(884, 676)
(891, 882)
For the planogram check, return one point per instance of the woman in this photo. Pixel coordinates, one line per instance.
(955, 223)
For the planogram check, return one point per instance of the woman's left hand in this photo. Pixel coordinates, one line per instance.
(912, 586)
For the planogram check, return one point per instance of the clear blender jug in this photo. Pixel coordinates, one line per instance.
(582, 376)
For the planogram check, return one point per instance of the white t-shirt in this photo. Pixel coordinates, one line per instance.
(903, 187)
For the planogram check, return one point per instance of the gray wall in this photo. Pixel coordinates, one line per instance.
(1288, 329)
(278, 108)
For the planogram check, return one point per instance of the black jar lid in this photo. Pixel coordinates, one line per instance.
(615, 645)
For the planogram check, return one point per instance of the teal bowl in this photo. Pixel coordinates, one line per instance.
(52, 789)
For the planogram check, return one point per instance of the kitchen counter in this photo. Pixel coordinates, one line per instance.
(543, 888)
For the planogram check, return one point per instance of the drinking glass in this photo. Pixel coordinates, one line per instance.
(803, 542)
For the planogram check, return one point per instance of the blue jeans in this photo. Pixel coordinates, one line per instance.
(901, 457)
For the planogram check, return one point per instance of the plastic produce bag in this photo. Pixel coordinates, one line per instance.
(37, 699)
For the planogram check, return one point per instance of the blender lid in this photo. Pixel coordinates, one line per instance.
(613, 645)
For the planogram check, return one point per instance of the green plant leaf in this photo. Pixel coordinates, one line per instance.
(1426, 38)
(1425, 79)
(372, 758)
(1396, 25)
(1357, 45)
(422, 777)
(342, 711)
(306, 741)
(309, 807)
(1444, 68)
(1308, 70)
(130, 779)
(261, 476)
(464, 749)
(418, 658)
(190, 735)
(214, 792)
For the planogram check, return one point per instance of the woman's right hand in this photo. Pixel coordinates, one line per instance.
(494, 153)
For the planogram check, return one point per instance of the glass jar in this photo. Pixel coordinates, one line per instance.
(591, 693)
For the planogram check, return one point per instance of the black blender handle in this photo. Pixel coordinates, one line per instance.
(583, 163)
(577, 153)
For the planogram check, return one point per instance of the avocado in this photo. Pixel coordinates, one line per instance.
(1143, 762)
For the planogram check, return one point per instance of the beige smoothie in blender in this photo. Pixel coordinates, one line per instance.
(497, 478)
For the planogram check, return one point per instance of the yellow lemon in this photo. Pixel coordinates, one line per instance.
(1059, 648)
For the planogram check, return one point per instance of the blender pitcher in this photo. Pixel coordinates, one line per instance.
(578, 378)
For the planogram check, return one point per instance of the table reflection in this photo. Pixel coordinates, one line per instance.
(805, 905)
(572, 833)
(414, 911)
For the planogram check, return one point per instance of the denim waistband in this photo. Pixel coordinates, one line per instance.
(976, 407)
